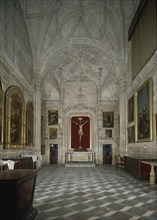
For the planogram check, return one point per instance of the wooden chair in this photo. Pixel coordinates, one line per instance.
(119, 162)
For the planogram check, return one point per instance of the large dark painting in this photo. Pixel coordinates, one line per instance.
(144, 112)
(131, 109)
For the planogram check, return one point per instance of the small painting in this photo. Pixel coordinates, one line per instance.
(52, 117)
(108, 133)
(52, 133)
(108, 119)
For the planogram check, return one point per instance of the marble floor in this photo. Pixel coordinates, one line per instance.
(93, 193)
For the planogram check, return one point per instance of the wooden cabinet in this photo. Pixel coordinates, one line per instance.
(22, 162)
(17, 192)
(136, 168)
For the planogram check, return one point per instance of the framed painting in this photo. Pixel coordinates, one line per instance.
(108, 119)
(131, 109)
(108, 133)
(1, 113)
(144, 112)
(52, 133)
(29, 123)
(52, 117)
(131, 134)
(15, 118)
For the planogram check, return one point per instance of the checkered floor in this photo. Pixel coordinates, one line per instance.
(97, 193)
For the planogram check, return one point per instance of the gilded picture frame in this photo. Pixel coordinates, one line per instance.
(29, 124)
(1, 112)
(108, 119)
(144, 112)
(131, 109)
(52, 117)
(53, 133)
(15, 120)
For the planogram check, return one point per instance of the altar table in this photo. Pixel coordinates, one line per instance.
(153, 164)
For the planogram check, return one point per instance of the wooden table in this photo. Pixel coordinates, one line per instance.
(17, 192)
(153, 164)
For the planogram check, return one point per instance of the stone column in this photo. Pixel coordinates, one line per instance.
(37, 120)
(123, 120)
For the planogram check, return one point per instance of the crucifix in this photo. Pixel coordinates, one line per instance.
(80, 123)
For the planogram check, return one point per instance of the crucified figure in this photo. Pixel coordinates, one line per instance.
(80, 123)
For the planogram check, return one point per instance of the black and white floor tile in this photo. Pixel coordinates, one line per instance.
(98, 193)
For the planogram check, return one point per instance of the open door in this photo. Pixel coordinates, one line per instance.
(107, 154)
(53, 153)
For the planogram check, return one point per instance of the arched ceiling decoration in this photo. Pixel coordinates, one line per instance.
(79, 40)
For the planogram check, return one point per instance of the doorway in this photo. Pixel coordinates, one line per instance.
(107, 153)
(53, 153)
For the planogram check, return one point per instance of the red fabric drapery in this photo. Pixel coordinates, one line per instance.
(85, 140)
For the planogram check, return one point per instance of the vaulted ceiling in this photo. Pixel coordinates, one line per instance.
(79, 40)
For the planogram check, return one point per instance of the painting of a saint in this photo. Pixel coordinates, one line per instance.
(15, 123)
(108, 119)
(108, 133)
(52, 133)
(144, 112)
(52, 117)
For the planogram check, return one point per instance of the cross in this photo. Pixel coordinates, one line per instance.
(80, 96)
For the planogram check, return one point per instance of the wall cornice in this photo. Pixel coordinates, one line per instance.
(143, 75)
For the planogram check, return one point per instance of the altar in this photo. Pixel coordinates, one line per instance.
(80, 158)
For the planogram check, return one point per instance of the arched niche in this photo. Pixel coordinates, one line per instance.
(14, 118)
(29, 124)
(84, 113)
(1, 112)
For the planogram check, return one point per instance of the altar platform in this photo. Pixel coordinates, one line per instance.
(80, 158)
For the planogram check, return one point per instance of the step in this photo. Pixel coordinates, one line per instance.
(79, 164)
